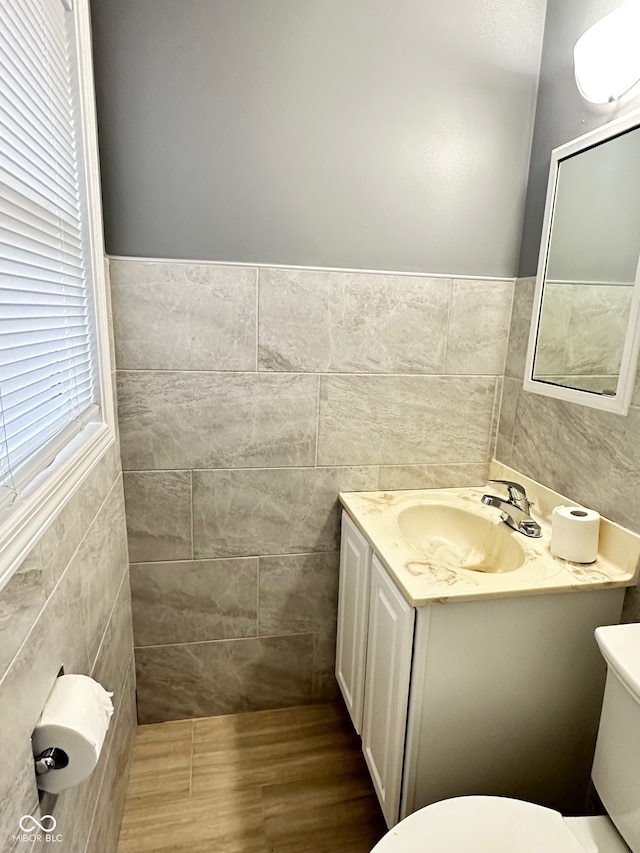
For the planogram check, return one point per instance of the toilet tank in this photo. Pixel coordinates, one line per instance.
(616, 765)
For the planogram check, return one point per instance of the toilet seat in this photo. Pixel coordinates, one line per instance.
(481, 825)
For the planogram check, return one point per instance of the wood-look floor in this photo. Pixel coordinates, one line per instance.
(286, 781)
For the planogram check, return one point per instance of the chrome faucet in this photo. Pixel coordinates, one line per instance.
(516, 509)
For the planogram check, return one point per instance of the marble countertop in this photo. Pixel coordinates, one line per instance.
(422, 578)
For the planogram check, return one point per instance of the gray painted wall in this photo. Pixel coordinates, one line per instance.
(561, 113)
(368, 134)
(596, 217)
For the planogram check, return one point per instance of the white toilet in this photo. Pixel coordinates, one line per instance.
(501, 825)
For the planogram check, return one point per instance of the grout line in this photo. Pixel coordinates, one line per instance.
(448, 330)
(262, 812)
(192, 519)
(400, 464)
(91, 664)
(315, 465)
(258, 572)
(520, 392)
(257, 319)
(242, 556)
(491, 423)
(228, 640)
(193, 739)
(418, 374)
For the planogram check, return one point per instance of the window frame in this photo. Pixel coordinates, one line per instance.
(24, 522)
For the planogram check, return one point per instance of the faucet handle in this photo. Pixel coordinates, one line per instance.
(516, 491)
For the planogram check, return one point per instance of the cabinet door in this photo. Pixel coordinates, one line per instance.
(388, 673)
(353, 612)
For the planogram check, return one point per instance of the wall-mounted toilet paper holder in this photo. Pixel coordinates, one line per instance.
(50, 759)
(69, 734)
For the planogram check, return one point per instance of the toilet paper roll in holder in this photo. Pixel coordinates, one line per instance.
(50, 759)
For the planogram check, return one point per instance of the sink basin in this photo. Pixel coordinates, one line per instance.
(459, 539)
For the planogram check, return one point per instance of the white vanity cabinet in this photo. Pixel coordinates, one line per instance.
(490, 695)
(373, 661)
(353, 618)
(388, 671)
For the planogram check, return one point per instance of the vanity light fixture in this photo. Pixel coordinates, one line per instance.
(606, 56)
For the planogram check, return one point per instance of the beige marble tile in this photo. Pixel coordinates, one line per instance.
(170, 316)
(271, 511)
(432, 476)
(69, 611)
(598, 328)
(322, 321)
(158, 515)
(223, 677)
(590, 455)
(553, 332)
(56, 639)
(105, 828)
(298, 593)
(180, 420)
(24, 690)
(193, 601)
(116, 648)
(61, 539)
(495, 417)
(583, 329)
(511, 390)
(21, 600)
(520, 324)
(101, 561)
(478, 326)
(18, 793)
(325, 687)
(404, 419)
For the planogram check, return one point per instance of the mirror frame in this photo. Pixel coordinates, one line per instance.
(618, 403)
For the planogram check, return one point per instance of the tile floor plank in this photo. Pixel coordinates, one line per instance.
(162, 759)
(265, 747)
(290, 780)
(323, 816)
(218, 823)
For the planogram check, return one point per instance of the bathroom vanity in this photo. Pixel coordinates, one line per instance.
(466, 656)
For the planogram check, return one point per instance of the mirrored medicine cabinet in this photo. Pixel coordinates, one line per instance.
(584, 338)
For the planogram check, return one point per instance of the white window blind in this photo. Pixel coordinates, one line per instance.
(47, 387)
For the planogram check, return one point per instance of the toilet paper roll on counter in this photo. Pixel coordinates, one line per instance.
(574, 534)
(75, 719)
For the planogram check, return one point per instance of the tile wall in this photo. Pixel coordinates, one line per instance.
(589, 455)
(248, 398)
(69, 606)
(581, 338)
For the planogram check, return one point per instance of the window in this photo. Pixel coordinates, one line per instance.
(54, 409)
